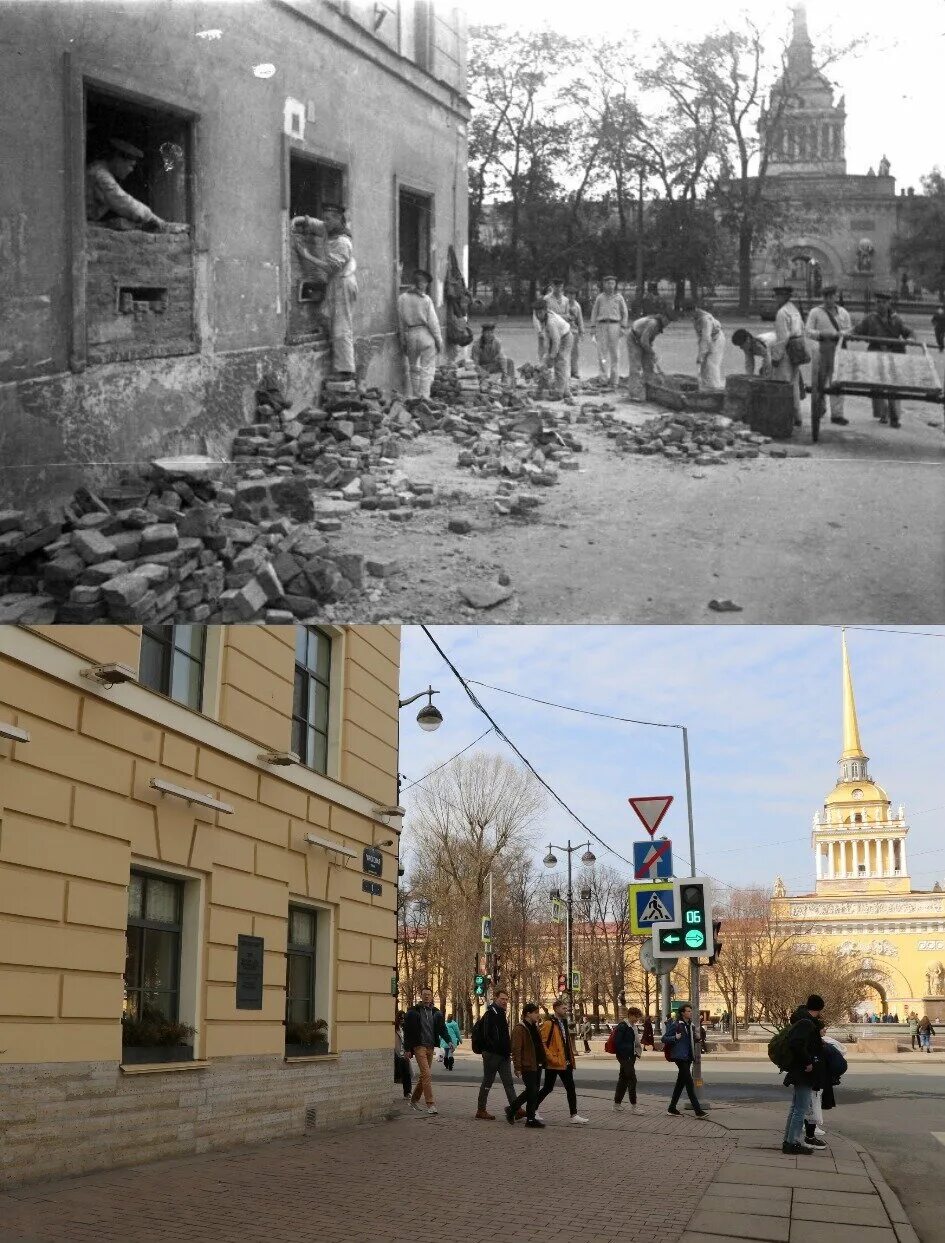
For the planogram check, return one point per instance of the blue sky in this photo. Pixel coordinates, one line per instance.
(763, 709)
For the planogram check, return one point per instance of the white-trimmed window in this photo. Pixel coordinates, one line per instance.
(311, 702)
(173, 661)
(308, 974)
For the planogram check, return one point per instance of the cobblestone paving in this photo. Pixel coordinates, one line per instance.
(624, 1176)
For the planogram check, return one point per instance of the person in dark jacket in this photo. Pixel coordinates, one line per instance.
(888, 332)
(681, 1040)
(938, 326)
(628, 1047)
(424, 1028)
(804, 1071)
(528, 1058)
(496, 1054)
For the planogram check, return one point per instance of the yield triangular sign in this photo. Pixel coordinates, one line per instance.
(651, 809)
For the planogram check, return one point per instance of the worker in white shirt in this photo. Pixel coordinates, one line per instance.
(753, 347)
(333, 259)
(419, 331)
(609, 320)
(710, 350)
(642, 356)
(557, 333)
(575, 318)
(826, 327)
(790, 349)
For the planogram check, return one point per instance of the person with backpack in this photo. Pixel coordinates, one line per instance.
(799, 1051)
(624, 1042)
(679, 1047)
(451, 1042)
(560, 1057)
(491, 1035)
(424, 1028)
(528, 1058)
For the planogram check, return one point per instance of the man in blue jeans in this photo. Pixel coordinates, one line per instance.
(679, 1038)
(804, 1071)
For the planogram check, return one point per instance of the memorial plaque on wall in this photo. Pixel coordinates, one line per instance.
(249, 973)
(373, 861)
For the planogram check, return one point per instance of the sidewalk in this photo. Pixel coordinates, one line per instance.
(628, 1177)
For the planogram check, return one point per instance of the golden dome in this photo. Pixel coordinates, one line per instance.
(856, 793)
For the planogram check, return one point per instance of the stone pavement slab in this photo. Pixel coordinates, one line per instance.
(376, 1182)
(763, 1195)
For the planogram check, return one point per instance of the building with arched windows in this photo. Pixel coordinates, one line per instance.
(863, 902)
(839, 226)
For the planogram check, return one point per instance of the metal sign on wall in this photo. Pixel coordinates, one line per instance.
(372, 861)
(249, 973)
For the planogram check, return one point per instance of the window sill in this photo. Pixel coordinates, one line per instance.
(315, 1057)
(158, 1068)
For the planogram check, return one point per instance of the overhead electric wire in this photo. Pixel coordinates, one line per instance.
(420, 780)
(508, 741)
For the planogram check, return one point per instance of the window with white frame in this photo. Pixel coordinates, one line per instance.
(307, 975)
(311, 697)
(172, 662)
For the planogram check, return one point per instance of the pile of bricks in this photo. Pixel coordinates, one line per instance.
(698, 439)
(178, 544)
(532, 445)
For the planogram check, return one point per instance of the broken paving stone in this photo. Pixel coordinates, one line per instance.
(461, 524)
(381, 569)
(328, 524)
(162, 537)
(725, 606)
(485, 595)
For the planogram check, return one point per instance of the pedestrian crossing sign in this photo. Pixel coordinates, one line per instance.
(651, 904)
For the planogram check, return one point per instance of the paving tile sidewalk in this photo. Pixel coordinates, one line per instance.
(620, 1178)
(761, 1194)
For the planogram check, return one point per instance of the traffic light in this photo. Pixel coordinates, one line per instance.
(693, 938)
(716, 943)
(562, 982)
(479, 985)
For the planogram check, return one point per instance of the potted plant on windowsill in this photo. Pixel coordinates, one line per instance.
(153, 1038)
(306, 1039)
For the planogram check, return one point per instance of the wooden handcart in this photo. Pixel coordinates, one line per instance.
(908, 374)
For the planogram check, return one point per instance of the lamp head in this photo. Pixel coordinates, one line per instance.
(588, 858)
(430, 717)
(550, 859)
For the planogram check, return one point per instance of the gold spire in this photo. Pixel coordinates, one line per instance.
(852, 747)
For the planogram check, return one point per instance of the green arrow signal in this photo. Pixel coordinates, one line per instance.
(671, 938)
(695, 938)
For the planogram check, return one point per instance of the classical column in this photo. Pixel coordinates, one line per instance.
(902, 856)
(887, 858)
(819, 862)
(831, 869)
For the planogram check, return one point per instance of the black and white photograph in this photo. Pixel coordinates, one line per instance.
(403, 311)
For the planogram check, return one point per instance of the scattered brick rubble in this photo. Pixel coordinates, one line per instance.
(209, 541)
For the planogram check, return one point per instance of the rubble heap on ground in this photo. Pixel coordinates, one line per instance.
(700, 439)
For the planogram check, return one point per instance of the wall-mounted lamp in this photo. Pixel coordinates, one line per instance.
(109, 675)
(13, 732)
(327, 845)
(387, 842)
(190, 796)
(429, 717)
(389, 811)
(279, 759)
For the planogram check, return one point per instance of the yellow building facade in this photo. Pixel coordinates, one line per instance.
(864, 904)
(198, 874)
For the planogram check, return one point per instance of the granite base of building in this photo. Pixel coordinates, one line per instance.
(71, 1118)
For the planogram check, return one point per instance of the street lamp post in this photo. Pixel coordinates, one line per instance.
(588, 858)
(429, 718)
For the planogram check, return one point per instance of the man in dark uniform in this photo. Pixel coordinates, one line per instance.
(885, 324)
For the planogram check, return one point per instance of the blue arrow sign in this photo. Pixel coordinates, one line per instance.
(653, 860)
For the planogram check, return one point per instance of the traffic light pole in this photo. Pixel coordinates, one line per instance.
(693, 962)
(570, 943)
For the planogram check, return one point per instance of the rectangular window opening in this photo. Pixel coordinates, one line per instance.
(311, 697)
(306, 1028)
(414, 232)
(172, 662)
(151, 1029)
(139, 286)
(312, 184)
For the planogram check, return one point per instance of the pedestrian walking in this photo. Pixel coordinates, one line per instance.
(560, 1057)
(402, 1073)
(790, 350)
(627, 1048)
(926, 1032)
(803, 1061)
(826, 327)
(710, 350)
(609, 320)
(424, 1028)
(496, 1048)
(528, 1059)
(557, 358)
(419, 332)
(451, 1042)
(889, 333)
(648, 1041)
(913, 1029)
(586, 1030)
(644, 365)
(680, 1041)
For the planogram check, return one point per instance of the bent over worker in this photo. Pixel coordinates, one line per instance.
(419, 331)
(753, 347)
(642, 355)
(557, 333)
(336, 265)
(108, 204)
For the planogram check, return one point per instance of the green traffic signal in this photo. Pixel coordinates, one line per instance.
(695, 938)
(479, 986)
